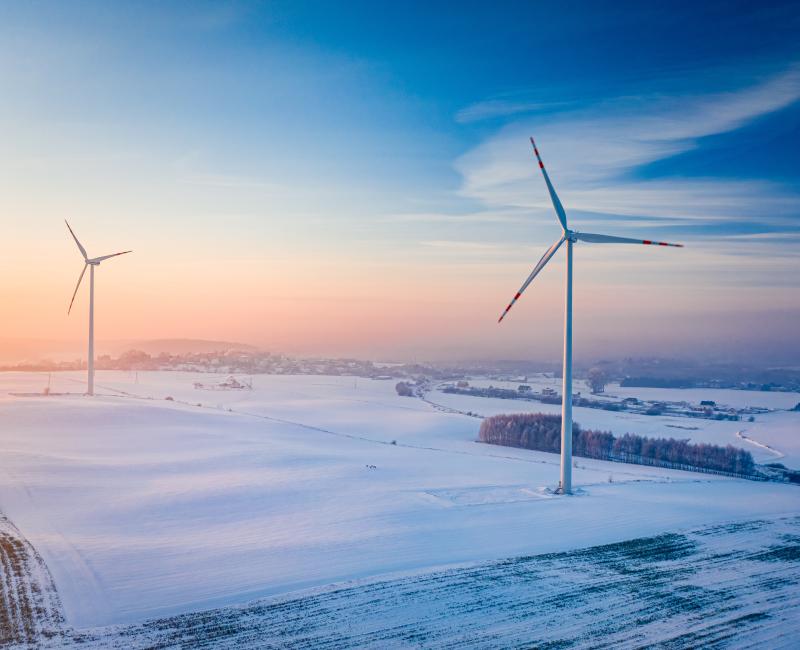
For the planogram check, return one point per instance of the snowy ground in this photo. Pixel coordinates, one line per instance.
(735, 585)
(30, 610)
(144, 507)
(773, 437)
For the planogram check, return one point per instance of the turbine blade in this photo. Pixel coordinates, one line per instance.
(97, 260)
(80, 246)
(539, 266)
(594, 238)
(75, 293)
(562, 216)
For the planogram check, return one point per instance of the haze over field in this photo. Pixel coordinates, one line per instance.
(353, 181)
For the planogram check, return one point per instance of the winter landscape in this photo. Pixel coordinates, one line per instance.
(329, 510)
(399, 325)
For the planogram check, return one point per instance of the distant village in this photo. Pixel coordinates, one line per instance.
(247, 362)
(706, 409)
(456, 377)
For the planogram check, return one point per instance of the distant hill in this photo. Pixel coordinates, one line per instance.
(174, 346)
(18, 350)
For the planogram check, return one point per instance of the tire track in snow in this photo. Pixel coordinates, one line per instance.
(753, 441)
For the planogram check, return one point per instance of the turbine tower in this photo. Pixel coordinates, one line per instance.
(91, 263)
(570, 237)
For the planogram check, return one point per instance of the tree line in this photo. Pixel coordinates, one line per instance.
(542, 432)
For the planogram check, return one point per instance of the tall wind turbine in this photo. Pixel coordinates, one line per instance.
(569, 236)
(91, 263)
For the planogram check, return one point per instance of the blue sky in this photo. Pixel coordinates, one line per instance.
(390, 141)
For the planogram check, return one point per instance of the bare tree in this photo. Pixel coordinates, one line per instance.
(543, 433)
(597, 379)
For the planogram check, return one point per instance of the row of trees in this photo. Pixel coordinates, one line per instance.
(543, 432)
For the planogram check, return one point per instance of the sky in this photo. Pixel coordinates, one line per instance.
(355, 179)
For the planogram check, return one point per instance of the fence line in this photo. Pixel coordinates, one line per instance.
(634, 459)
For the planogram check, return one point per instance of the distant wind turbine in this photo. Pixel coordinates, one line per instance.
(89, 262)
(569, 236)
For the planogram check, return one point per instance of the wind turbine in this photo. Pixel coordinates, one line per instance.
(91, 263)
(570, 237)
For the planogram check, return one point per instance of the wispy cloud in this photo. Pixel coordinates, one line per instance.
(492, 216)
(466, 246)
(592, 155)
(189, 169)
(230, 181)
(492, 108)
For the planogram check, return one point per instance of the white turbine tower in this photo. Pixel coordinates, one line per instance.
(569, 236)
(89, 262)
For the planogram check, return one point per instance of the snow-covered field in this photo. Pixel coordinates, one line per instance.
(734, 585)
(145, 507)
(772, 437)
